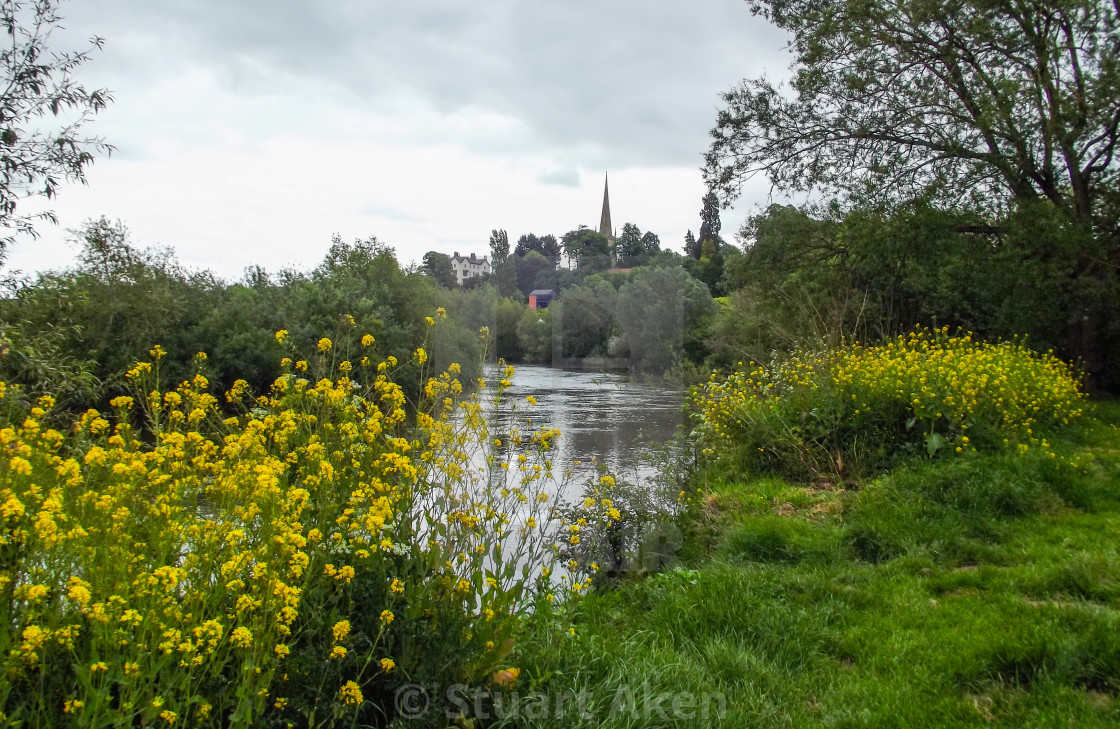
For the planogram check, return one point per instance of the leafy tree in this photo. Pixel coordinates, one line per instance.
(534, 332)
(586, 316)
(505, 277)
(38, 82)
(973, 98)
(991, 104)
(710, 222)
(499, 247)
(534, 271)
(546, 245)
(708, 269)
(587, 248)
(628, 249)
(438, 267)
(691, 247)
(665, 315)
(651, 244)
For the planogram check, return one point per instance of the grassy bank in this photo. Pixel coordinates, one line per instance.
(975, 591)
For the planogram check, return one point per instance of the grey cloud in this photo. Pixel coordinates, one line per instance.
(620, 83)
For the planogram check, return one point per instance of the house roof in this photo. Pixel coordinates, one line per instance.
(542, 292)
(470, 259)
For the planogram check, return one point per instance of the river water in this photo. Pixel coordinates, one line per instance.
(603, 416)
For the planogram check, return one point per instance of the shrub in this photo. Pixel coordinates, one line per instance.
(281, 565)
(857, 409)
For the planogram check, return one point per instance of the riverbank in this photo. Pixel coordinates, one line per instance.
(977, 591)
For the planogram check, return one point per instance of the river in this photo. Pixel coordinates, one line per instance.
(604, 416)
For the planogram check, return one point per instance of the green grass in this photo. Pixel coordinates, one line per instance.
(975, 592)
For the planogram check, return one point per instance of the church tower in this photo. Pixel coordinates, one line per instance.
(605, 228)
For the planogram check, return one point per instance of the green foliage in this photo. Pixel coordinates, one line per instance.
(710, 223)
(628, 249)
(691, 247)
(534, 271)
(856, 410)
(546, 245)
(664, 314)
(534, 333)
(499, 247)
(87, 325)
(437, 266)
(37, 81)
(821, 273)
(587, 249)
(995, 606)
(872, 79)
(586, 315)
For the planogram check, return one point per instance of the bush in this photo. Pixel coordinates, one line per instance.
(855, 410)
(281, 565)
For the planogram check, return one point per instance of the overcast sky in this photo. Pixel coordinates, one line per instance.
(248, 132)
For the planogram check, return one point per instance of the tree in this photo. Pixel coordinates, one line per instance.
(628, 249)
(691, 247)
(438, 266)
(499, 247)
(546, 245)
(982, 98)
(709, 220)
(587, 248)
(665, 315)
(34, 157)
(651, 244)
(534, 271)
(994, 105)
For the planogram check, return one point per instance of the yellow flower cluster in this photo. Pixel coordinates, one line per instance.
(156, 564)
(932, 383)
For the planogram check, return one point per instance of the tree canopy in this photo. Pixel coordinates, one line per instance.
(1007, 110)
(499, 247)
(546, 245)
(36, 157)
(587, 248)
(962, 101)
(438, 266)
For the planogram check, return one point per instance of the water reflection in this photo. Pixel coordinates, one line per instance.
(603, 416)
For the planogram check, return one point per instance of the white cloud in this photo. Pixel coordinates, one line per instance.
(248, 133)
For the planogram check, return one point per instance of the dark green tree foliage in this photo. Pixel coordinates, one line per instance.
(39, 82)
(504, 277)
(651, 244)
(534, 332)
(587, 318)
(628, 249)
(1009, 109)
(816, 274)
(88, 325)
(708, 269)
(691, 247)
(546, 245)
(534, 271)
(665, 315)
(587, 249)
(710, 223)
(437, 266)
(499, 247)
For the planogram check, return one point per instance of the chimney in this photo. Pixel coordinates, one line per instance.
(456, 255)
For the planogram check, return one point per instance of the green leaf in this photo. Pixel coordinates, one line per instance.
(934, 443)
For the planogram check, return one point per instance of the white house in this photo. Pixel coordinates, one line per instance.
(469, 267)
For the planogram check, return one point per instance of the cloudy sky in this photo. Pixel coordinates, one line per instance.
(248, 132)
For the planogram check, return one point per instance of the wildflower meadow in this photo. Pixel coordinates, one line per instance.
(277, 559)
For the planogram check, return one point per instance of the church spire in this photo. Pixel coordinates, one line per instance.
(605, 222)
